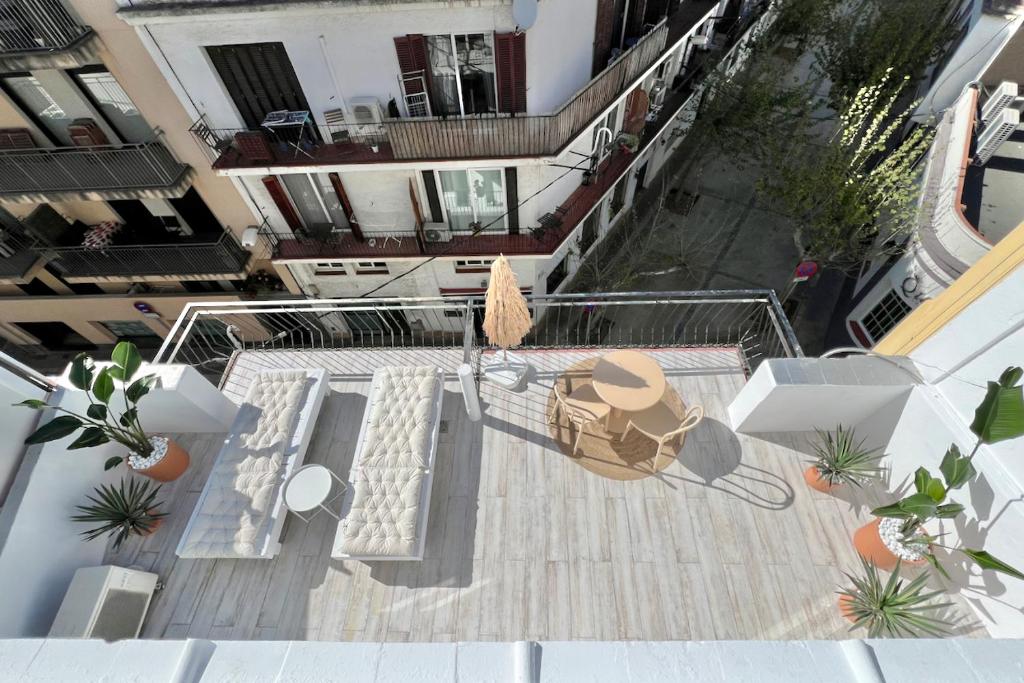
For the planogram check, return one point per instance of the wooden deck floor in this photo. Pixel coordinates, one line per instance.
(523, 543)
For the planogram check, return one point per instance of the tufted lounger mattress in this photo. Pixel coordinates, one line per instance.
(240, 512)
(394, 465)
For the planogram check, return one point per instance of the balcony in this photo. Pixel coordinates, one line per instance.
(202, 257)
(18, 253)
(128, 171)
(467, 137)
(42, 34)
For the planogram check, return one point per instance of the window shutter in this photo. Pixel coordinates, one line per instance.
(413, 59)
(284, 204)
(259, 78)
(510, 63)
(346, 206)
(512, 199)
(433, 199)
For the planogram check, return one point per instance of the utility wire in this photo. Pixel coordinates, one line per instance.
(476, 231)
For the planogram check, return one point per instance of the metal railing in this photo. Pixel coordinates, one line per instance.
(206, 335)
(18, 252)
(37, 26)
(106, 167)
(222, 256)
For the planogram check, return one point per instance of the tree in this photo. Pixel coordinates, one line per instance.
(859, 43)
(855, 197)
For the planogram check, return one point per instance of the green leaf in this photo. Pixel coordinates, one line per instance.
(949, 510)
(920, 505)
(934, 561)
(935, 490)
(112, 462)
(140, 388)
(956, 468)
(128, 417)
(34, 403)
(921, 479)
(90, 436)
(103, 387)
(57, 428)
(893, 510)
(1000, 416)
(81, 371)
(97, 411)
(986, 561)
(126, 357)
(116, 372)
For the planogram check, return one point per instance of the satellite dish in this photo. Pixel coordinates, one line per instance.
(525, 13)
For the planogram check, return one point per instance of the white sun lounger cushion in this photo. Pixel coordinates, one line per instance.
(238, 511)
(384, 518)
(400, 427)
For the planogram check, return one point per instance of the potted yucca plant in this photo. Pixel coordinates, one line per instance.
(899, 532)
(128, 509)
(892, 608)
(157, 457)
(841, 459)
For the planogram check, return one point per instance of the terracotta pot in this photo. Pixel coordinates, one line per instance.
(816, 481)
(171, 466)
(846, 607)
(869, 544)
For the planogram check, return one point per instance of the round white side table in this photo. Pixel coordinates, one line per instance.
(309, 488)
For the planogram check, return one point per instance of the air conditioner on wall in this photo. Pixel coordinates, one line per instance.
(995, 133)
(365, 118)
(1000, 99)
(437, 232)
(105, 602)
(657, 94)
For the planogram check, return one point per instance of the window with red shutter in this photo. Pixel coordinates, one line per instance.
(284, 204)
(510, 63)
(414, 65)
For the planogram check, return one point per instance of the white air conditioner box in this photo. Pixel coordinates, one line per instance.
(105, 602)
(250, 236)
(437, 232)
(365, 111)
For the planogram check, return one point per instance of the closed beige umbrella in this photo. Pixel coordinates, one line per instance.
(506, 319)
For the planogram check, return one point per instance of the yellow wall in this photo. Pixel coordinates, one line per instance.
(928, 318)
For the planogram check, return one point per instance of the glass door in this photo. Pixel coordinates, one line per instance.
(474, 198)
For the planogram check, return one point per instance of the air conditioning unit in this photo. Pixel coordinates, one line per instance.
(105, 602)
(366, 111)
(995, 134)
(658, 93)
(437, 232)
(1002, 98)
(699, 41)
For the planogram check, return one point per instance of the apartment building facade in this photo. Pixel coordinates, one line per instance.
(111, 218)
(381, 138)
(971, 196)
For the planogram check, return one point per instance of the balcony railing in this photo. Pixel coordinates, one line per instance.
(37, 26)
(18, 253)
(206, 335)
(222, 256)
(461, 137)
(101, 169)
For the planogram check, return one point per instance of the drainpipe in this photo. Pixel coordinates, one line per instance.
(334, 79)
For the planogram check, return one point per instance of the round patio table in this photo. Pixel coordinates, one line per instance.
(628, 381)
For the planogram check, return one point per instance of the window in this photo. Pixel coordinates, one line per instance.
(259, 79)
(462, 73)
(33, 99)
(589, 233)
(330, 268)
(474, 197)
(884, 316)
(473, 266)
(134, 331)
(557, 275)
(111, 99)
(618, 200)
(368, 267)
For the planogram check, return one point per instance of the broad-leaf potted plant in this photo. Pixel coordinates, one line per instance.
(841, 459)
(158, 457)
(121, 511)
(892, 608)
(900, 533)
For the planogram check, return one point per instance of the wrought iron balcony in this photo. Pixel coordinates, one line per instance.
(217, 258)
(146, 169)
(41, 34)
(18, 253)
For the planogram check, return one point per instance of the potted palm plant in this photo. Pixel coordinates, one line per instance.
(158, 457)
(892, 608)
(121, 511)
(899, 532)
(841, 459)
